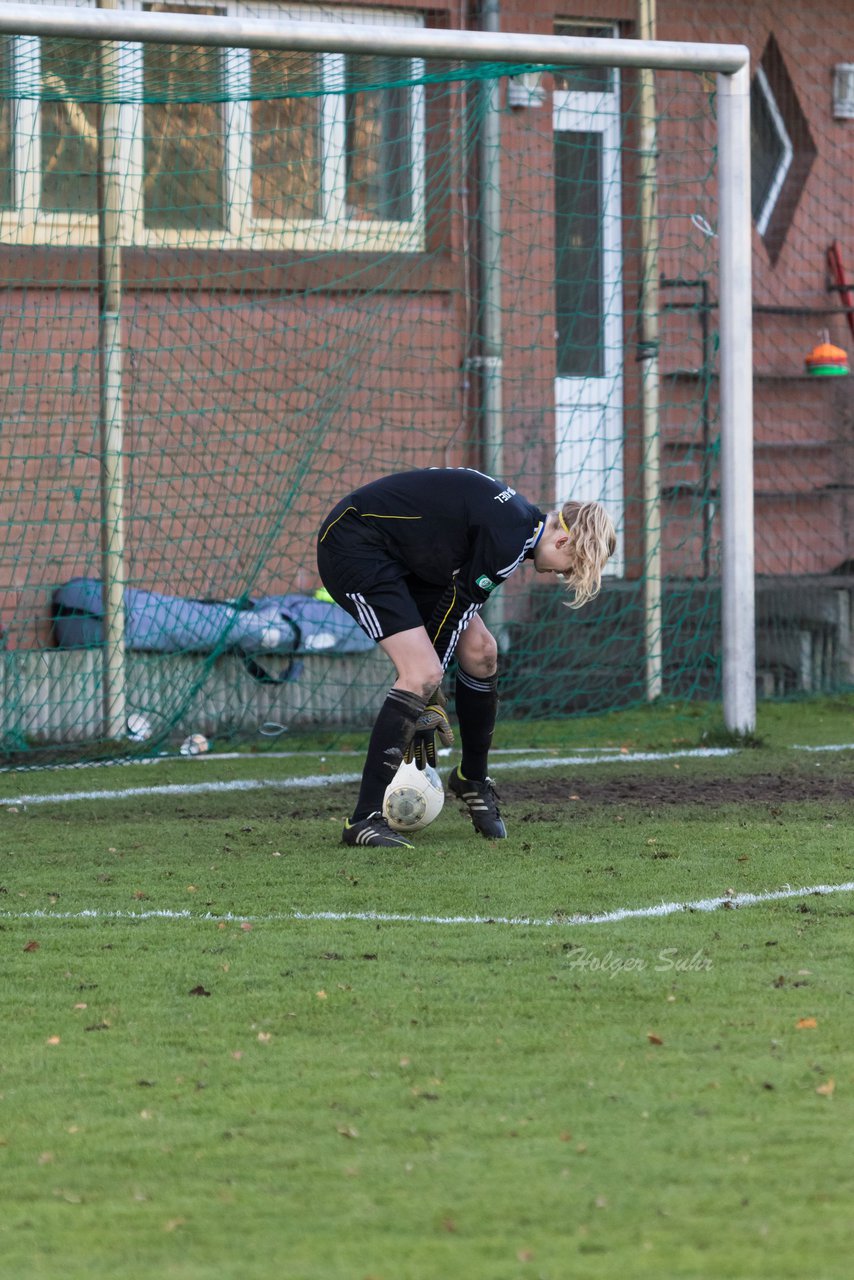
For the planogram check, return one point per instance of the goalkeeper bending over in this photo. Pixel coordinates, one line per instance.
(413, 557)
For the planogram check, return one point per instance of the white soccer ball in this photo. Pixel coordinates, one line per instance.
(414, 798)
(139, 727)
(271, 637)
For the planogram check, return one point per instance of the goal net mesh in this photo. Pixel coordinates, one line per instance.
(308, 250)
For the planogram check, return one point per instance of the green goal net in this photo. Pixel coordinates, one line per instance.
(238, 283)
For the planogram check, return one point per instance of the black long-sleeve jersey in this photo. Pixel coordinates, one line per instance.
(451, 527)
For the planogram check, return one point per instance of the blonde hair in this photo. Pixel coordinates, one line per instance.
(592, 541)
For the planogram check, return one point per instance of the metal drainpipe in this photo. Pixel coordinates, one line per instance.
(491, 356)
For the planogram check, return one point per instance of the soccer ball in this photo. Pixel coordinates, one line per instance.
(413, 798)
(139, 727)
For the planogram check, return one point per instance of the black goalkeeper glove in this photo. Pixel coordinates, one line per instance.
(433, 720)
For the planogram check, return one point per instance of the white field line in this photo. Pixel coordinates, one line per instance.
(324, 779)
(729, 901)
(170, 757)
(596, 754)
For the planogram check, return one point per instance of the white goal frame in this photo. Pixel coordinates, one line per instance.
(731, 65)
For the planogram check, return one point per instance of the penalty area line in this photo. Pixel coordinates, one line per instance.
(559, 920)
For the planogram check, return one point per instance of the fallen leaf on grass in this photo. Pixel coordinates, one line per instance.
(806, 1024)
(347, 1131)
(826, 1089)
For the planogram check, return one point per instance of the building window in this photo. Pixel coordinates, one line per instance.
(599, 80)
(222, 148)
(782, 149)
(771, 151)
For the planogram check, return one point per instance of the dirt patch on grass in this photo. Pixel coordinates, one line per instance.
(761, 788)
(555, 796)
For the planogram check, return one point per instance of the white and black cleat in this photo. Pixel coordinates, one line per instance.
(481, 800)
(374, 830)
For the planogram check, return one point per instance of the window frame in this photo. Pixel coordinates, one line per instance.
(332, 231)
(784, 90)
(763, 217)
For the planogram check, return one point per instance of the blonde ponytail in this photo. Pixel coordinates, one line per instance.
(592, 542)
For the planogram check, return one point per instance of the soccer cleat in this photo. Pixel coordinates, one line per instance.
(480, 798)
(374, 830)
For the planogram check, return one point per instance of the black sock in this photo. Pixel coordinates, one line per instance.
(477, 706)
(391, 735)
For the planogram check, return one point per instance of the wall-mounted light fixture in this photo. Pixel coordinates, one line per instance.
(843, 91)
(526, 90)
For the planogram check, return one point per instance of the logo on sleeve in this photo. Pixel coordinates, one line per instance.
(486, 584)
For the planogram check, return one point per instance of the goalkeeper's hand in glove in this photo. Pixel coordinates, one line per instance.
(433, 720)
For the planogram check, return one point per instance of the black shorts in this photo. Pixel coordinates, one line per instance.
(362, 576)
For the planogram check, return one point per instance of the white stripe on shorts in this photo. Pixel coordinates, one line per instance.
(466, 618)
(368, 620)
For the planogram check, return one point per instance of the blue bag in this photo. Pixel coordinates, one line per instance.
(157, 623)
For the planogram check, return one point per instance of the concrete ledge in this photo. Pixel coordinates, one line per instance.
(55, 695)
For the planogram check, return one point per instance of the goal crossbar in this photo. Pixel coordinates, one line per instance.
(318, 37)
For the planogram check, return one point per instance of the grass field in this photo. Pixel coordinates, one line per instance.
(235, 1050)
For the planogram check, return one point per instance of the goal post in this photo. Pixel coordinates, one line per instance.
(378, 241)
